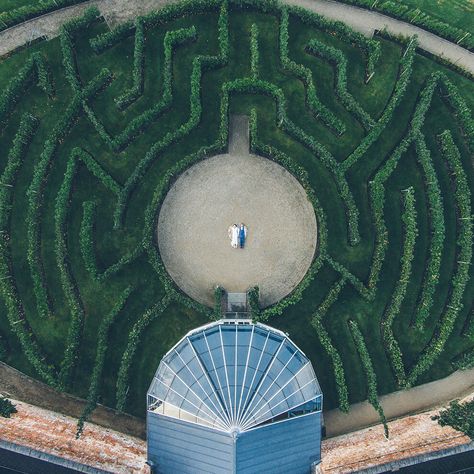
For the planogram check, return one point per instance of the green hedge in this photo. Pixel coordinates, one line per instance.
(376, 186)
(15, 311)
(317, 108)
(418, 18)
(219, 293)
(364, 355)
(435, 200)
(409, 219)
(253, 296)
(34, 69)
(134, 337)
(138, 70)
(463, 258)
(35, 189)
(254, 52)
(338, 59)
(466, 361)
(139, 124)
(200, 64)
(68, 283)
(102, 338)
(328, 346)
(404, 74)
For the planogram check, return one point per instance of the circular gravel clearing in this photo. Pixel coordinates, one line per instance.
(225, 189)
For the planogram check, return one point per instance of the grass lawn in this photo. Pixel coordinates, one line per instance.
(151, 334)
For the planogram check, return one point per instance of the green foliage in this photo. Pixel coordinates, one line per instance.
(134, 337)
(3, 349)
(306, 76)
(136, 90)
(219, 293)
(404, 75)
(329, 347)
(460, 416)
(254, 53)
(15, 310)
(336, 57)
(369, 373)
(466, 361)
(96, 173)
(409, 219)
(7, 409)
(253, 296)
(419, 18)
(102, 346)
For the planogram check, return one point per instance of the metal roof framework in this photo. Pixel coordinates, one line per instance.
(234, 375)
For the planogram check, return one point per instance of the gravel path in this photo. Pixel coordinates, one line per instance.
(233, 188)
(117, 11)
(401, 403)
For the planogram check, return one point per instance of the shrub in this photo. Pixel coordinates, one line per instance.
(435, 200)
(464, 259)
(132, 94)
(254, 54)
(15, 311)
(253, 296)
(35, 68)
(336, 57)
(466, 361)
(35, 190)
(102, 347)
(458, 415)
(219, 293)
(7, 409)
(369, 373)
(419, 18)
(134, 337)
(409, 219)
(67, 281)
(404, 74)
(328, 346)
(306, 76)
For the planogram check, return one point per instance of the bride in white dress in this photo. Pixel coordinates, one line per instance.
(233, 233)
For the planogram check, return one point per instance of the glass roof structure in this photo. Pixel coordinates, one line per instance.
(233, 375)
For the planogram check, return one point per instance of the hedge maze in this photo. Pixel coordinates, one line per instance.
(96, 126)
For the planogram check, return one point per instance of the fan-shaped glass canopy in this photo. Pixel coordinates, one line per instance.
(234, 375)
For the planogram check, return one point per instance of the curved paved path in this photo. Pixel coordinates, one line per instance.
(232, 188)
(118, 11)
(397, 404)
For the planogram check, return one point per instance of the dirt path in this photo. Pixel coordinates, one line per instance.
(19, 386)
(117, 11)
(401, 403)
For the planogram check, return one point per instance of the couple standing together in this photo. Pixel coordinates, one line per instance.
(237, 235)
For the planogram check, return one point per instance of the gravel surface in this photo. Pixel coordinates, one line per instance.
(233, 188)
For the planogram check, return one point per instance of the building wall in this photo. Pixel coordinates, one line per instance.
(176, 446)
(286, 447)
(290, 446)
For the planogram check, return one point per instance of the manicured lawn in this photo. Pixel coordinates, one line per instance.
(158, 333)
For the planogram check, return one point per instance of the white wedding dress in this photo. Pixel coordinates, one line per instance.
(234, 236)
